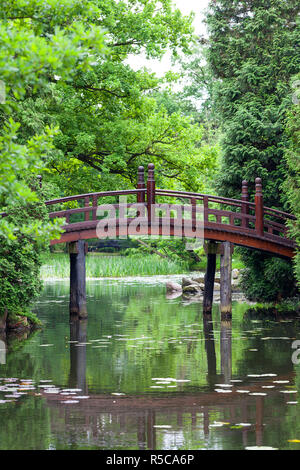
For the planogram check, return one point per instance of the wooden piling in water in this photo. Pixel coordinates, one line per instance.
(77, 251)
(225, 280)
(211, 250)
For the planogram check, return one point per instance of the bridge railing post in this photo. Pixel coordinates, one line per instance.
(86, 205)
(245, 207)
(205, 208)
(259, 208)
(141, 184)
(150, 190)
(95, 204)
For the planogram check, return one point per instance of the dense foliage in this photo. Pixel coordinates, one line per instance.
(108, 117)
(20, 258)
(292, 183)
(38, 39)
(252, 56)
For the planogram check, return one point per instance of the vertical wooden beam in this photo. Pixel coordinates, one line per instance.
(211, 250)
(86, 204)
(95, 204)
(245, 207)
(259, 208)
(150, 190)
(141, 184)
(77, 251)
(225, 280)
(194, 213)
(141, 196)
(205, 209)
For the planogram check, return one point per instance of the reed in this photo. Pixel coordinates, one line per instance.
(58, 266)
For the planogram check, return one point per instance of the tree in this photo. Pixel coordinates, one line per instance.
(109, 119)
(291, 184)
(38, 39)
(252, 55)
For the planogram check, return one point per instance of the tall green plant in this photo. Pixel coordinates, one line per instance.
(38, 40)
(252, 55)
(291, 185)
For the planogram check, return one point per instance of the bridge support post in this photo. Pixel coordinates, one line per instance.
(225, 280)
(211, 250)
(77, 251)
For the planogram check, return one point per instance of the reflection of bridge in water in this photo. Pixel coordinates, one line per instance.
(108, 419)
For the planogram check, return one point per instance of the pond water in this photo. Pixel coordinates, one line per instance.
(147, 372)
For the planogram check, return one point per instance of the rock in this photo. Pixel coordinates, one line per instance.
(187, 282)
(199, 280)
(235, 273)
(191, 286)
(192, 289)
(17, 323)
(192, 282)
(173, 295)
(173, 287)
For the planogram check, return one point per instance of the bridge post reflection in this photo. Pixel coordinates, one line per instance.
(226, 351)
(3, 347)
(208, 330)
(78, 335)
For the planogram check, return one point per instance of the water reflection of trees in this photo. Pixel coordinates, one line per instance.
(217, 353)
(111, 422)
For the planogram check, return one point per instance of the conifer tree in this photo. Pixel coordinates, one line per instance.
(253, 55)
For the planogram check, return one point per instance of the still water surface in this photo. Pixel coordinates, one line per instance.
(146, 372)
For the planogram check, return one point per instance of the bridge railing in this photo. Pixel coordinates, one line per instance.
(87, 204)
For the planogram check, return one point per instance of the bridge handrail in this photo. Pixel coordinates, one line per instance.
(171, 193)
(98, 194)
(223, 200)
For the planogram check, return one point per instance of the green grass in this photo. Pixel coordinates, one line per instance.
(58, 266)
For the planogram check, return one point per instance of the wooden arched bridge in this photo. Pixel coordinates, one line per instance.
(146, 210)
(240, 222)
